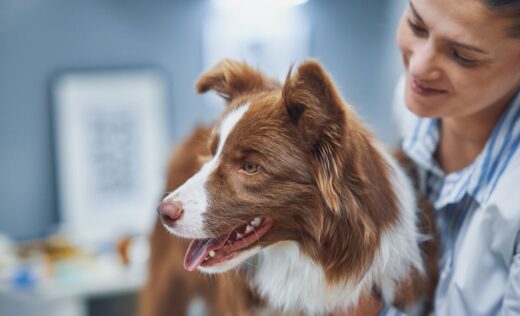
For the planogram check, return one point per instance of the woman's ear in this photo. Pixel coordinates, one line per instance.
(230, 79)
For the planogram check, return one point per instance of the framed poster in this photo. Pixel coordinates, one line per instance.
(111, 150)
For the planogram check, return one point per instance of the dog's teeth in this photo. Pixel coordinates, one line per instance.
(255, 222)
(212, 253)
(249, 229)
(239, 235)
(228, 242)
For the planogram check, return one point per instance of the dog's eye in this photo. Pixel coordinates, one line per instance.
(250, 168)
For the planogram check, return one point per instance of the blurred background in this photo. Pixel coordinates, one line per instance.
(95, 94)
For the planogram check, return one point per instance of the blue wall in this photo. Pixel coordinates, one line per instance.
(354, 39)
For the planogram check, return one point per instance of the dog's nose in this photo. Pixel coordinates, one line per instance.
(170, 211)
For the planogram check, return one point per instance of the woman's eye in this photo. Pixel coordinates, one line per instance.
(461, 59)
(250, 168)
(416, 29)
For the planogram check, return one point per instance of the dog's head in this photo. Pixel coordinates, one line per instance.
(286, 164)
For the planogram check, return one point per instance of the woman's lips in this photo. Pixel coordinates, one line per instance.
(423, 89)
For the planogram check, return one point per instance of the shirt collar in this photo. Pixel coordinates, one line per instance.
(477, 179)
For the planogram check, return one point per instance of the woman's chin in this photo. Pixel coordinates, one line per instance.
(423, 108)
(421, 111)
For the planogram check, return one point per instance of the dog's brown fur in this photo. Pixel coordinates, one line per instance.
(346, 173)
(350, 173)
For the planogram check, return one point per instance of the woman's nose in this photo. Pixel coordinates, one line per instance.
(423, 63)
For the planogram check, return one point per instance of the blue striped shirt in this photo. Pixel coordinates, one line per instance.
(457, 195)
(479, 178)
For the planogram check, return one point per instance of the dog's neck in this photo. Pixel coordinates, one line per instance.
(292, 281)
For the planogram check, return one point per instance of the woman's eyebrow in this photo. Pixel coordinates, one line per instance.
(454, 43)
(468, 47)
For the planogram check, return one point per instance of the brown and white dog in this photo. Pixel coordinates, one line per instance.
(299, 196)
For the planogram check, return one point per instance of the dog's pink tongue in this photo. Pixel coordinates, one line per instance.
(199, 249)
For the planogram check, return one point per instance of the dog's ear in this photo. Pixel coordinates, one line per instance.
(230, 79)
(315, 107)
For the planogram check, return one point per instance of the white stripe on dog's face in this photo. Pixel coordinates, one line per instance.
(193, 195)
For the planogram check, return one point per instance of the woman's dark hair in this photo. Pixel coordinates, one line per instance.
(509, 9)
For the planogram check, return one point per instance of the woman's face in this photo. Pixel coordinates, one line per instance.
(458, 58)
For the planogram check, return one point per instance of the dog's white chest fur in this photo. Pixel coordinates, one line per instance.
(293, 282)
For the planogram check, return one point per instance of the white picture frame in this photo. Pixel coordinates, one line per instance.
(110, 128)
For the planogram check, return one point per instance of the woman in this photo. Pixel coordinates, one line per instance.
(462, 77)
